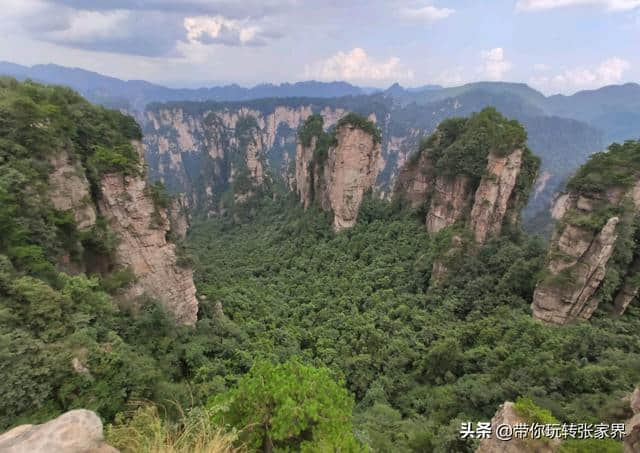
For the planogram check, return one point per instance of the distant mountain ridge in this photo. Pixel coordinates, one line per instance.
(136, 94)
(614, 109)
(563, 130)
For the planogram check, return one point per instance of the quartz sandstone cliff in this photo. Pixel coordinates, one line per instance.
(304, 181)
(339, 181)
(472, 175)
(591, 226)
(632, 426)
(350, 171)
(142, 229)
(453, 199)
(483, 202)
(69, 190)
(127, 206)
(193, 148)
(202, 154)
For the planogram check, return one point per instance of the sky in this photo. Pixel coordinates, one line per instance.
(555, 46)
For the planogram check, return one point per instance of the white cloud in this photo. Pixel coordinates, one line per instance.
(608, 72)
(495, 65)
(85, 25)
(356, 65)
(611, 5)
(541, 67)
(218, 29)
(427, 13)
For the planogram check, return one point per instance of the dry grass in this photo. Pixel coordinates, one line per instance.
(145, 431)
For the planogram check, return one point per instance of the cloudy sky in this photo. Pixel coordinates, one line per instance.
(553, 45)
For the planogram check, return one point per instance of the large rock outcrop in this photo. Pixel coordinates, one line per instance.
(508, 415)
(304, 181)
(595, 232)
(212, 150)
(450, 202)
(77, 431)
(141, 224)
(496, 194)
(632, 426)
(142, 228)
(69, 190)
(473, 172)
(337, 169)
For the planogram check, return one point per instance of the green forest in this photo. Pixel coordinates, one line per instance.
(307, 340)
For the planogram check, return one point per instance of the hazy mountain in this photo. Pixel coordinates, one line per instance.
(563, 130)
(136, 94)
(615, 109)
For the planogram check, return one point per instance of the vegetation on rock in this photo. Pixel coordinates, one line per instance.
(460, 146)
(618, 167)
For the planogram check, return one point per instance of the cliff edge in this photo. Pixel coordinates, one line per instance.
(593, 256)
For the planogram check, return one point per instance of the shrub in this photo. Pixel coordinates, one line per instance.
(291, 407)
(147, 432)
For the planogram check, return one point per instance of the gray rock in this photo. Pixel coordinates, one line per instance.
(77, 431)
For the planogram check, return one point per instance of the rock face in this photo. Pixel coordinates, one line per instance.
(126, 203)
(204, 153)
(179, 216)
(453, 199)
(449, 202)
(632, 426)
(350, 170)
(77, 431)
(558, 302)
(495, 194)
(196, 148)
(481, 201)
(304, 181)
(339, 180)
(473, 175)
(70, 190)
(142, 228)
(414, 182)
(507, 414)
(595, 223)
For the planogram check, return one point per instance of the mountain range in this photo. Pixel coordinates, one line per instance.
(562, 130)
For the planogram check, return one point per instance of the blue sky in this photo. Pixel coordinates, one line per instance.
(553, 45)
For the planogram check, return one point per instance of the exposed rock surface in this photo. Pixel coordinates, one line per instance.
(579, 257)
(179, 216)
(201, 153)
(77, 431)
(506, 414)
(350, 170)
(125, 202)
(560, 301)
(481, 192)
(494, 194)
(632, 426)
(415, 181)
(450, 202)
(340, 181)
(143, 247)
(453, 199)
(304, 180)
(471, 174)
(70, 190)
